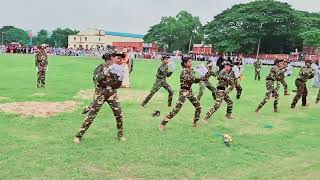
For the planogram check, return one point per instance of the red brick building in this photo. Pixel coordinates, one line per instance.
(202, 49)
(137, 46)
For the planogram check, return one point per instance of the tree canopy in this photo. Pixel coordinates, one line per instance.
(174, 33)
(275, 25)
(240, 28)
(13, 34)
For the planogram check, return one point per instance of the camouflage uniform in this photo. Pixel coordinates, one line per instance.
(271, 91)
(224, 79)
(257, 68)
(305, 73)
(162, 74)
(235, 84)
(187, 78)
(41, 64)
(105, 91)
(282, 81)
(205, 83)
(96, 72)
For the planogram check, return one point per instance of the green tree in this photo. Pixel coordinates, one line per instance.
(59, 37)
(273, 25)
(42, 37)
(13, 34)
(311, 38)
(176, 32)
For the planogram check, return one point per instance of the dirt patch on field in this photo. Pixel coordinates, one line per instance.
(123, 95)
(3, 98)
(38, 109)
(38, 94)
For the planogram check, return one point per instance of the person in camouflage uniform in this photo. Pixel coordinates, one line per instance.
(187, 78)
(205, 83)
(41, 62)
(257, 67)
(224, 80)
(162, 74)
(271, 91)
(106, 91)
(282, 79)
(305, 73)
(235, 82)
(107, 62)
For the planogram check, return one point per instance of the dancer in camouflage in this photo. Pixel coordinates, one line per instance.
(271, 91)
(187, 78)
(108, 81)
(41, 65)
(162, 74)
(224, 80)
(205, 83)
(305, 73)
(282, 79)
(257, 68)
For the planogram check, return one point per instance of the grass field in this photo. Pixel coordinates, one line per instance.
(43, 148)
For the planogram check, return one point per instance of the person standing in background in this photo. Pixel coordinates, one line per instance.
(127, 66)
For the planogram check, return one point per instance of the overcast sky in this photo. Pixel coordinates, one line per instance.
(131, 16)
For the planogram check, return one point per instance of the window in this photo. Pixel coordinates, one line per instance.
(85, 38)
(74, 38)
(75, 46)
(87, 46)
(99, 39)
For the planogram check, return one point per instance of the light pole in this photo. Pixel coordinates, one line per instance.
(193, 31)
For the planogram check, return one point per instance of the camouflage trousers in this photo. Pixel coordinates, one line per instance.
(183, 95)
(318, 97)
(222, 95)
(271, 91)
(285, 86)
(256, 75)
(156, 86)
(238, 87)
(302, 91)
(206, 84)
(41, 76)
(101, 96)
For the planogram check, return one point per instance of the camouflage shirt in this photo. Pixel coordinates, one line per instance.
(41, 59)
(106, 79)
(97, 75)
(305, 73)
(257, 64)
(281, 73)
(224, 80)
(187, 78)
(163, 71)
(274, 74)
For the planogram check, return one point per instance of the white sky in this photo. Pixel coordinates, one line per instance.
(131, 16)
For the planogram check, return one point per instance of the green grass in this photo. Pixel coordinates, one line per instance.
(43, 148)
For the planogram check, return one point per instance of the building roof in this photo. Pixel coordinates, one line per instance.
(111, 33)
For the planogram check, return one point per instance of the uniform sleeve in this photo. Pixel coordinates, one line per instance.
(99, 73)
(193, 77)
(36, 60)
(312, 73)
(46, 59)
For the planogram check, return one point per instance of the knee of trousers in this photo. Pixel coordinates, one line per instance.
(170, 93)
(198, 108)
